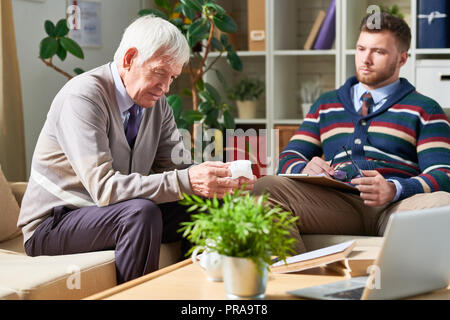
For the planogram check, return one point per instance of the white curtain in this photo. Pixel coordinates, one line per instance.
(12, 141)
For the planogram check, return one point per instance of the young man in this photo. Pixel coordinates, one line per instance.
(90, 187)
(398, 137)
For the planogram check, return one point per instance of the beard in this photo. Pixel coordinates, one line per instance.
(376, 78)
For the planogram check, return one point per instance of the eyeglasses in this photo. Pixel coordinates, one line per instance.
(342, 175)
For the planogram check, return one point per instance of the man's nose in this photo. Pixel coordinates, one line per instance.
(367, 58)
(165, 84)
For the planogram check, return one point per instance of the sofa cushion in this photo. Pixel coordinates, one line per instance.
(9, 211)
(72, 276)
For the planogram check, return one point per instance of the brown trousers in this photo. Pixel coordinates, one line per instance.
(323, 210)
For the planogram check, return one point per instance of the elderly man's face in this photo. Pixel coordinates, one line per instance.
(147, 83)
(377, 59)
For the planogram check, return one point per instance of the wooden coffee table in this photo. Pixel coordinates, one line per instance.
(186, 281)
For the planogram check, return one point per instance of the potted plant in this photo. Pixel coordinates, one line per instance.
(246, 93)
(309, 93)
(58, 43)
(206, 26)
(246, 231)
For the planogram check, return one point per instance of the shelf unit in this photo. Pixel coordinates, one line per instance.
(284, 66)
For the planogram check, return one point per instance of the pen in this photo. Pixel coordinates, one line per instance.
(354, 164)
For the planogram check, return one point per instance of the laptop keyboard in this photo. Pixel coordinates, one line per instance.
(352, 294)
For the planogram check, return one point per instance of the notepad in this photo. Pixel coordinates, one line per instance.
(314, 258)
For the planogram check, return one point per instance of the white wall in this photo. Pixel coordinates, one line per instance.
(40, 83)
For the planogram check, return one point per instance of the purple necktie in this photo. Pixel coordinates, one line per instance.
(367, 103)
(133, 125)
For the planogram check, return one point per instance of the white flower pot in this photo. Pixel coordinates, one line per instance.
(242, 278)
(247, 109)
(305, 108)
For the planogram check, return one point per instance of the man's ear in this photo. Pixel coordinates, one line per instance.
(129, 57)
(403, 58)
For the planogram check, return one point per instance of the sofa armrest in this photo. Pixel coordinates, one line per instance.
(18, 190)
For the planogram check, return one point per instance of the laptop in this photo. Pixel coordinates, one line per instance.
(414, 259)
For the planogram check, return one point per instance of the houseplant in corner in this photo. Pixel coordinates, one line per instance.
(58, 43)
(246, 231)
(246, 93)
(199, 21)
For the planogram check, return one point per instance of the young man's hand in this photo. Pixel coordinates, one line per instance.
(317, 166)
(374, 188)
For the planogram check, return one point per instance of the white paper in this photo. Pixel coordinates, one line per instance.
(316, 253)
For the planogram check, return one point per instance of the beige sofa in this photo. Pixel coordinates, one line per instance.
(79, 275)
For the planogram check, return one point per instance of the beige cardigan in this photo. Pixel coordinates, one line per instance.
(82, 157)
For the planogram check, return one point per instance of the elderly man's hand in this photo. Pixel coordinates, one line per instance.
(213, 177)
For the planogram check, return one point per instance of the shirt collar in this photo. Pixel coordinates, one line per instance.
(124, 101)
(379, 93)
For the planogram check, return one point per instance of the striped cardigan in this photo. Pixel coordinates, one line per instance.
(407, 139)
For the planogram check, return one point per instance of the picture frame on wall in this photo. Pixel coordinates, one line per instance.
(84, 22)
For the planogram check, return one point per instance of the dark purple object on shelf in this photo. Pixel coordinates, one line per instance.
(327, 32)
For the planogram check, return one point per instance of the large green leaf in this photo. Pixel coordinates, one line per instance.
(200, 28)
(191, 116)
(176, 104)
(206, 96)
(234, 60)
(49, 28)
(187, 11)
(155, 12)
(213, 92)
(225, 23)
(72, 47)
(218, 9)
(61, 52)
(61, 29)
(200, 85)
(48, 47)
(78, 70)
(205, 107)
(228, 120)
(197, 31)
(193, 5)
(212, 117)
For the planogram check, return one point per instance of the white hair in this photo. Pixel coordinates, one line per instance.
(148, 34)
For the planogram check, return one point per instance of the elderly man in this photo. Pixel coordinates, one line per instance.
(376, 122)
(107, 129)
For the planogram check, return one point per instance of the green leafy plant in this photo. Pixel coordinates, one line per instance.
(57, 43)
(394, 10)
(243, 226)
(246, 89)
(199, 20)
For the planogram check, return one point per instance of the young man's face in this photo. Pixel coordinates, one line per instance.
(377, 59)
(147, 83)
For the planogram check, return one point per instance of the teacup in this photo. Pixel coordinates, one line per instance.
(210, 262)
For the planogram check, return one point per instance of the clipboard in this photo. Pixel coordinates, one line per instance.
(320, 180)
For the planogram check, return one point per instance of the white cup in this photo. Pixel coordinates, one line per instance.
(210, 262)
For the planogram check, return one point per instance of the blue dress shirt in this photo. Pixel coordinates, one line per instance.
(379, 96)
(124, 101)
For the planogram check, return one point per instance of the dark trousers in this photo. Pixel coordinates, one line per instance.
(135, 229)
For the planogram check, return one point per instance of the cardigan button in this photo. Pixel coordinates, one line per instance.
(358, 141)
(363, 122)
